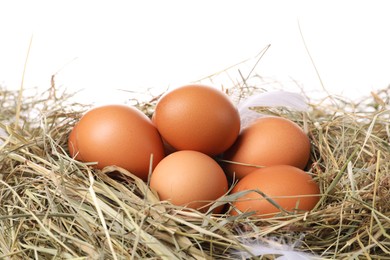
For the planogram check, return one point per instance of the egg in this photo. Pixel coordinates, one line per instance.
(289, 187)
(197, 117)
(268, 141)
(117, 135)
(190, 179)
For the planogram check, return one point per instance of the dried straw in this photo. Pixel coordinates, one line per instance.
(53, 207)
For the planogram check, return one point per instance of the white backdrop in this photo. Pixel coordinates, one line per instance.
(103, 46)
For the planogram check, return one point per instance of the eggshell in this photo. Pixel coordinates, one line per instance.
(189, 178)
(289, 187)
(117, 135)
(268, 141)
(197, 117)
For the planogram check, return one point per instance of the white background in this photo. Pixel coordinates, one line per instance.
(104, 47)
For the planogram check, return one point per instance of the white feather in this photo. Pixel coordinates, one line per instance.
(270, 246)
(290, 100)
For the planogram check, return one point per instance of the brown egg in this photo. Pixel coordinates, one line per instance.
(289, 187)
(189, 178)
(268, 141)
(199, 118)
(117, 135)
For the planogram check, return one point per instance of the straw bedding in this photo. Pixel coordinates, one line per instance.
(53, 207)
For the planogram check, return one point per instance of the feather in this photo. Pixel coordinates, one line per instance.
(271, 246)
(286, 99)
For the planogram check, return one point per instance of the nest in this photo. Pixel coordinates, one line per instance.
(54, 207)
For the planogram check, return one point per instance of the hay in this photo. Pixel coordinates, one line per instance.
(53, 207)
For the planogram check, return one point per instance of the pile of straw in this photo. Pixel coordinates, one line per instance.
(53, 207)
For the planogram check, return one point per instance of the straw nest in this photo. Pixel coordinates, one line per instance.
(53, 207)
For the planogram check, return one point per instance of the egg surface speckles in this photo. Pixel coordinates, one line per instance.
(189, 178)
(117, 135)
(199, 118)
(287, 186)
(268, 141)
